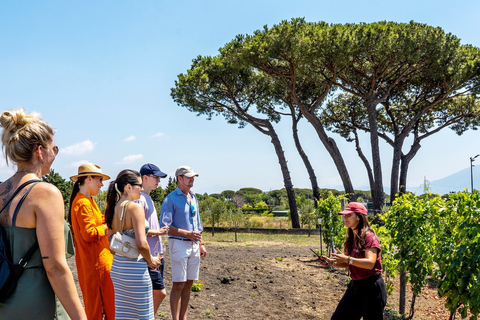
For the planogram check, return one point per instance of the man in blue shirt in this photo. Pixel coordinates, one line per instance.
(185, 242)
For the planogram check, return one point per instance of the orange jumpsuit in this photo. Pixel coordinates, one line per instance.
(93, 258)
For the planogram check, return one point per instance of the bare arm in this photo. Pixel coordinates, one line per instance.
(365, 263)
(160, 232)
(49, 215)
(138, 222)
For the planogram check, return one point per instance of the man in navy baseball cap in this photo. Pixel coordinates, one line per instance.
(151, 175)
(149, 168)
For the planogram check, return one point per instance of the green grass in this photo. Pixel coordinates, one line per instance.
(257, 239)
(209, 313)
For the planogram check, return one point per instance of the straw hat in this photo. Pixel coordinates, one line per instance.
(89, 169)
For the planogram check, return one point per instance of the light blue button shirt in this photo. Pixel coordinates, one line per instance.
(177, 207)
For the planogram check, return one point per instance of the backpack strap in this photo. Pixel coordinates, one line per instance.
(19, 204)
(17, 191)
(23, 262)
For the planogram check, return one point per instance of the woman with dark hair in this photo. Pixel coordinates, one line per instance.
(34, 218)
(93, 256)
(366, 294)
(130, 277)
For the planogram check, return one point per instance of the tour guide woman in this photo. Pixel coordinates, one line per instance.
(366, 294)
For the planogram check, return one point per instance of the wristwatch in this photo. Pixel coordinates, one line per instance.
(350, 260)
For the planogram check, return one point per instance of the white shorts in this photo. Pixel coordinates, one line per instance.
(184, 259)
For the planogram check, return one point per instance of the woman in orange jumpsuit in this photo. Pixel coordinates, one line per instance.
(92, 253)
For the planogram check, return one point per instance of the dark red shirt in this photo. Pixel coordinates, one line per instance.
(356, 273)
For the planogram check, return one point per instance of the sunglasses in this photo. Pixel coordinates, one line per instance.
(192, 210)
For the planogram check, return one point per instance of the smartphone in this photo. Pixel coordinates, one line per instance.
(321, 258)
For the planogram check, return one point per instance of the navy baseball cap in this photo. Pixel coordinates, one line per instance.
(149, 168)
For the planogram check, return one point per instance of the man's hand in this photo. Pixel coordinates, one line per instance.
(203, 251)
(194, 236)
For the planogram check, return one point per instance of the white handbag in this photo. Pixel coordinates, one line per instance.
(121, 243)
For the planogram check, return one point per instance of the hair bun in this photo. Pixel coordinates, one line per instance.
(22, 132)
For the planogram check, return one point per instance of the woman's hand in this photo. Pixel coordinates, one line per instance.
(164, 231)
(329, 261)
(154, 262)
(340, 257)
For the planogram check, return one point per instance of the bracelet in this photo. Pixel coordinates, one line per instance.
(350, 260)
(201, 244)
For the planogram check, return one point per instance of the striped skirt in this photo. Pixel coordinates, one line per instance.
(133, 289)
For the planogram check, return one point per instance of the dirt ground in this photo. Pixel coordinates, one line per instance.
(271, 281)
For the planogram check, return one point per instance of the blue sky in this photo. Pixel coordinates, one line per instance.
(100, 72)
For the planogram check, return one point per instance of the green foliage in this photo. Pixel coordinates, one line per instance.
(393, 315)
(333, 228)
(212, 210)
(63, 185)
(217, 196)
(389, 262)
(386, 79)
(413, 225)
(306, 209)
(261, 205)
(458, 253)
(266, 214)
(157, 196)
(251, 195)
(171, 186)
(235, 217)
(228, 195)
(209, 313)
(197, 286)
(100, 200)
(440, 237)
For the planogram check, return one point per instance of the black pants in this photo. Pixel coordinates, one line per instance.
(364, 298)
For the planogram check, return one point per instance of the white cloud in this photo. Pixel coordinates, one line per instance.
(79, 148)
(77, 164)
(159, 135)
(130, 159)
(128, 139)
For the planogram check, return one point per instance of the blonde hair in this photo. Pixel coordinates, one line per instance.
(22, 133)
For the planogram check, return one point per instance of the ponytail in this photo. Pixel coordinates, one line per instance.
(115, 191)
(75, 190)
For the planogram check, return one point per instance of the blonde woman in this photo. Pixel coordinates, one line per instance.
(27, 141)
(93, 257)
(130, 277)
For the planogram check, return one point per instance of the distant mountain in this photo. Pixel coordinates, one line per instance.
(458, 181)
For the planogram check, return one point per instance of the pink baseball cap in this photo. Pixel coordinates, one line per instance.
(354, 207)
